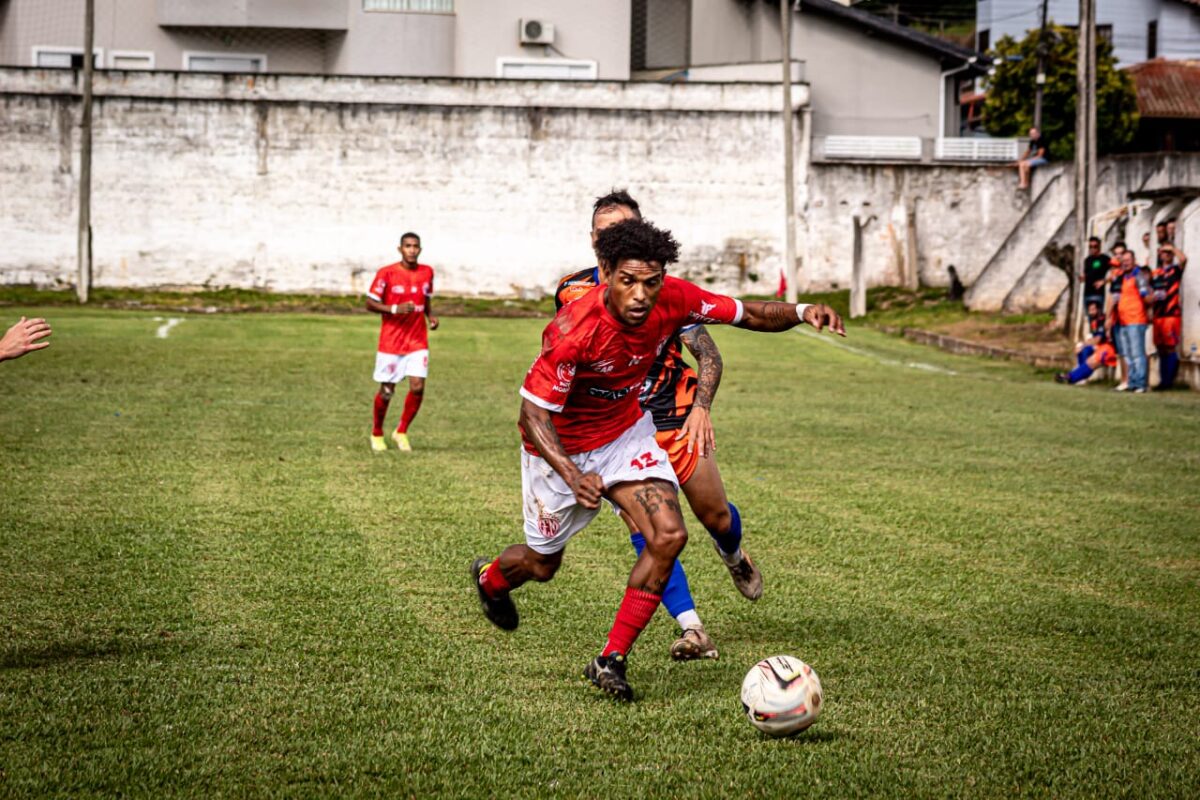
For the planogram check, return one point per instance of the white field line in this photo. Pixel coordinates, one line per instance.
(891, 362)
(165, 328)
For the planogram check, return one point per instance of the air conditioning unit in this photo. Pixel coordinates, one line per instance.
(536, 31)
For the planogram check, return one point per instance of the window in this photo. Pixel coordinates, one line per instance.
(984, 41)
(1152, 39)
(224, 62)
(130, 59)
(64, 57)
(546, 69)
(426, 6)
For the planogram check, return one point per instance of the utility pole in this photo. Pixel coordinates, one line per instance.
(1085, 148)
(83, 283)
(1041, 70)
(789, 166)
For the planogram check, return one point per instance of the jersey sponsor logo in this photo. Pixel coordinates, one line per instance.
(566, 373)
(706, 307)
(607, 365)
(635, 360)
(700, 318)
(608, 394)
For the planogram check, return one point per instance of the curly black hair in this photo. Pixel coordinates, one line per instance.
(617, 197)
(636, 239)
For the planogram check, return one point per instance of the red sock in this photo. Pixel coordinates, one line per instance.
(634, 615)
(492, 580)
(412, 403)
(381, 404)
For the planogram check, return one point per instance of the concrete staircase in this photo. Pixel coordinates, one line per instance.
(1043, 221)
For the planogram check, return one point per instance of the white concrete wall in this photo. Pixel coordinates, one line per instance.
(225, 180)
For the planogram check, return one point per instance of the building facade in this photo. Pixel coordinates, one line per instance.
(408, 38)
(1139, 30)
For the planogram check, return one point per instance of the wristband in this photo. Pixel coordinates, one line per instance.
(800, 310)
(393, 308)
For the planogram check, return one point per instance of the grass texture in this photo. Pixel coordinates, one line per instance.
(210, 587)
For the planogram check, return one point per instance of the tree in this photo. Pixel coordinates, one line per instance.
(1008, 108)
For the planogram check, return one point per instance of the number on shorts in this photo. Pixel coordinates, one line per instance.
(643, 461)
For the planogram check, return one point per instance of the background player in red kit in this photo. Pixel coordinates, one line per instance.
(679, 399)
(401, 292)
(587, 437)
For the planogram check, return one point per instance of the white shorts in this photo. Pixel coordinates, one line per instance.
(552, 515)
(390, 368)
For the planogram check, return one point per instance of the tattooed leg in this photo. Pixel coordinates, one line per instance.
(654, 507)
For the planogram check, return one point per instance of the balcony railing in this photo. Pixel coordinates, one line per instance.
(904, 148)
(976, 149)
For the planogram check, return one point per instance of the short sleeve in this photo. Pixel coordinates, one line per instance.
(429, 285)
(549, 380)
(379, 286)
(702, 307)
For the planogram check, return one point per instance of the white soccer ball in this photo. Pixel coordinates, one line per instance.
(782, 695)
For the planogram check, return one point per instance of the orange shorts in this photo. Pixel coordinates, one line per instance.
(683, 462)
(1106, 354)
(1166, 332)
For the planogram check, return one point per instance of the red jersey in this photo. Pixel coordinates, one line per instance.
(592, 366)
(395, 284)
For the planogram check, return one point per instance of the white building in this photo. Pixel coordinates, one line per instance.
(1138, 29)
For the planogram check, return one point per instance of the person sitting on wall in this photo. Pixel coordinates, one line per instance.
(1036, 156)
(1093, 352)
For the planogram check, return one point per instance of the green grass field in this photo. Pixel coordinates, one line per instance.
(209, 586)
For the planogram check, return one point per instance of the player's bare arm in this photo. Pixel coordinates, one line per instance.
(23, 337)
(698, 428)
(433, 321)
(377, 307)
(770, 317)
(538, 426)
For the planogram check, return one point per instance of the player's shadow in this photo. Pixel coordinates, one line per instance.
(52, 653)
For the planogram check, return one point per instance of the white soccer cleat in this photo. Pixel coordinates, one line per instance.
(402, 443)
(378, 444)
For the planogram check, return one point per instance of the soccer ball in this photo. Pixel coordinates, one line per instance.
(782, 695)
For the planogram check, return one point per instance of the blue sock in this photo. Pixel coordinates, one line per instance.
(1168, 368)
(676, 597)
(1080, 373)
(730, 541)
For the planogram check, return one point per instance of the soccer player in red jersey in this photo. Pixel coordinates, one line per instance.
(401, 294)
(679, 399)
(587, 437)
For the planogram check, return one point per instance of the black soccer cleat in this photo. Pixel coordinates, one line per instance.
(501, 611)
(607, 673)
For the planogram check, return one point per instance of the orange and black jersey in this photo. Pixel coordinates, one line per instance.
(1165, 283)
(670, 387)
(1096, 328)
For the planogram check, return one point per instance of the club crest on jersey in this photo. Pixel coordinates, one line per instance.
(548, 522)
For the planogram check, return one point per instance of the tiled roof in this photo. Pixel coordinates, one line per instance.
(1167, 89)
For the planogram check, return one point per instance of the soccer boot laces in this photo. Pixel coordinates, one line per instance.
(693, 644)
(607, 673)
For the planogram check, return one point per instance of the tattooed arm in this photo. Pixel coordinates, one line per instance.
(538, 426)
(698, 428)
(774, 317)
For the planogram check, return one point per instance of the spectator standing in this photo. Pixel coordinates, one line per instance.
(1129, 303)
(1168, 315)
(1095, 272)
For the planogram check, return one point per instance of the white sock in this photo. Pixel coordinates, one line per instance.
(689, 619)
(731, 560)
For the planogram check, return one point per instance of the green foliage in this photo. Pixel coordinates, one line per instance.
(1008, 109)
(211, 588)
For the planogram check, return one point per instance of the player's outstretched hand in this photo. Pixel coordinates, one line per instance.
(821, 316)
(433, 323)
(588, 489)
(24, 338)
(698, 431)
